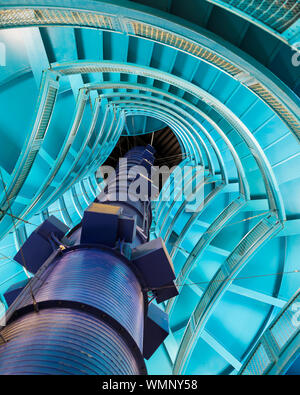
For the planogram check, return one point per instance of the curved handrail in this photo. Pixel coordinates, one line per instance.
(171, 184)
(183, 204)
(278, 344)
(210, 233)
(273, 192)
(113, 140)
(135, 86)
(244, 188)
(64, 211)
(101, 15)
(221, 281)
(264, 11)
(98, 146)
(132, 104)
(221, 185)
(80, 152)
(182, 119)
(177, 127)
(69, 139)
(178, 180)
(43, 114)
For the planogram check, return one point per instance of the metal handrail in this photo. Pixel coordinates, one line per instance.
(275, 16)
(204, 241)
(43, 114)
(282, 338)
(273, 192)
(221, 281)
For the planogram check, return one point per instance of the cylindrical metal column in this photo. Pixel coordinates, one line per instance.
(64, 341)
(136, 162)
(89, 309)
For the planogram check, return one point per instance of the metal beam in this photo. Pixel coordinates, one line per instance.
(261, 297)
(212, 342)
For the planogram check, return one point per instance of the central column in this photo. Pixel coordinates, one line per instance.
(86, 309)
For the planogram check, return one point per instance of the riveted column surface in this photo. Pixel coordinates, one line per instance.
(64, 341)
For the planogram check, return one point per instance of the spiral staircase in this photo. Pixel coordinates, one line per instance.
(224, 77)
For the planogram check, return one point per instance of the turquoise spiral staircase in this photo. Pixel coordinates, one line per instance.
(224, 75)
